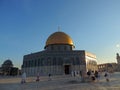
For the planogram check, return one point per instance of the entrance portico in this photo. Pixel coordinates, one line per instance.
(67, 69)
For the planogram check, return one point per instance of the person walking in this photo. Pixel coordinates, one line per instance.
(96, 75)
(23, 78)
(107, 76)
(38, 77)
(49, 75)
(92, 76)
(89, 74)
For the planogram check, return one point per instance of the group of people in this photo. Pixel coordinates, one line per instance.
(107, 76)
(23, 80)
(76, 73)
(92, 76)
(95, 75)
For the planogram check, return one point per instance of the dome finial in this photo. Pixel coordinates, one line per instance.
(59, 28)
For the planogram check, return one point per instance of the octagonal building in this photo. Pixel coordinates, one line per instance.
(58, 58)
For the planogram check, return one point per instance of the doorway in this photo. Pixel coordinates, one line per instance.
(67, 69)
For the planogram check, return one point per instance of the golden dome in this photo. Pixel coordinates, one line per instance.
(59, 38)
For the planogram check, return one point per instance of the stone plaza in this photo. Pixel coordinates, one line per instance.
(62, 82)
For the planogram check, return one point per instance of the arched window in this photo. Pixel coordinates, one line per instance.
(48, 61)
(52, 47)
(38, 62)
(65, 47)
(42, 62)
(54, 61)
(35, 64)
(29, 64)
(60, 62)
(32, 64)
(58, 48)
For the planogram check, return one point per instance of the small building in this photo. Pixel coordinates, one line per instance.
(58, 58)
(111, 67)
(8, 69)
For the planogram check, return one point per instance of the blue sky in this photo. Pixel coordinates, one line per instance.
(93, 25)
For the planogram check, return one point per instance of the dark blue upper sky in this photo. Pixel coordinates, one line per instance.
(93, 25)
